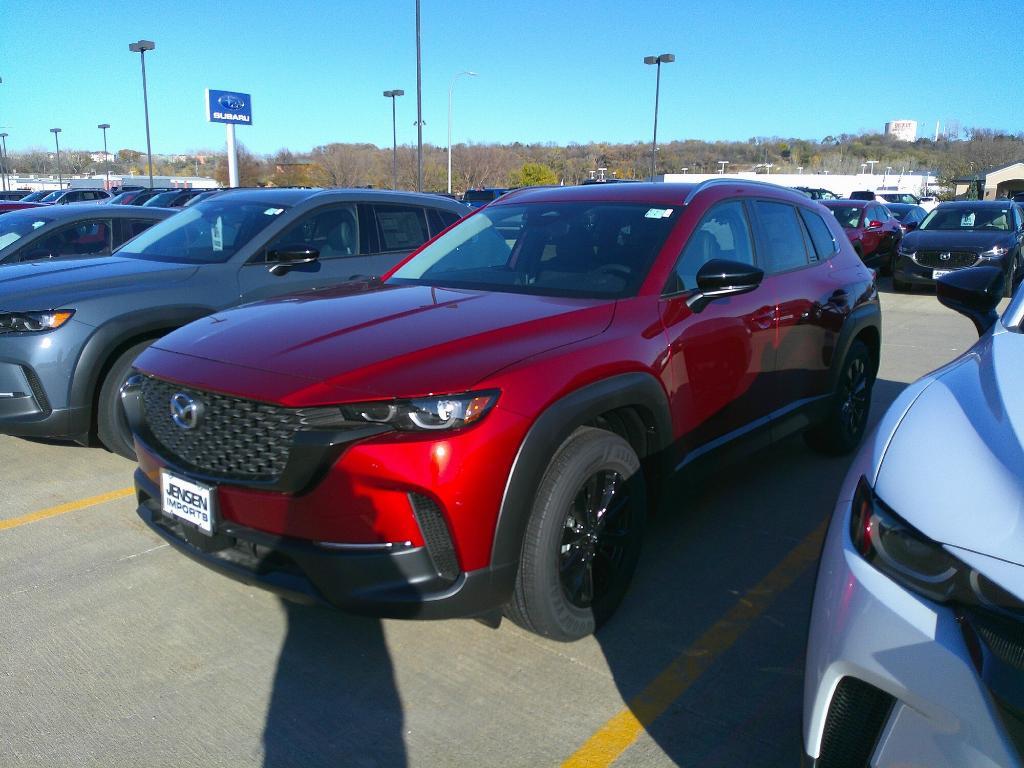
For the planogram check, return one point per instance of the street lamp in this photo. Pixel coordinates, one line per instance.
(394, 136)
(722, 164)
(863, 168)
(3, 154)
(665, 58)
(872, 163)
(140, 48)
(60, 175)
(106, 157)
(800, 170)
(450, 89)
(419, 103)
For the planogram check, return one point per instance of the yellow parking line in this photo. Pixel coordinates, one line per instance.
(61, 509)
(616, 736)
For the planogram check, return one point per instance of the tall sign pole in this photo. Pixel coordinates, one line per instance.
(231, 108)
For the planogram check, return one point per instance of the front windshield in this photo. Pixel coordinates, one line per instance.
(17, 224)
(52, 196)
(585, 249)
(968, 218)
(848, 215)
(161, 199)
(208, 233)
(35, 197)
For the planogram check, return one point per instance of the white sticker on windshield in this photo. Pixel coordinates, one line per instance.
(273, 211)
(38, 224)
(967, 220)
(658, 213)
(217, 235)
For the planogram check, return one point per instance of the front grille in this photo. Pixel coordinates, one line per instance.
(234, 438)
(436, 537)
(953, 260)
(856, 716)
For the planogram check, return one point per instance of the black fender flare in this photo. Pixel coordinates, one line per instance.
(550, 430)
(114, 334)
(867, 315)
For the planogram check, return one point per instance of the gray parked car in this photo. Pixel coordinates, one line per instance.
(70, 329)
(35, 234)
(69, 196)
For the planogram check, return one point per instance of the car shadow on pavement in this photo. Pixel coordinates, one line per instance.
(712, 540)
(334, 700)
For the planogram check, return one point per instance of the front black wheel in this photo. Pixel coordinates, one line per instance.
(582, 542)
(847, 418)
(111, 422)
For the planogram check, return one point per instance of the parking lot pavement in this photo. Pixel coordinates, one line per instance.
(117, 651)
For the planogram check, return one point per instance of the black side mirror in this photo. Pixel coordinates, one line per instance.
(974, 293)
(287, 257)
(719, 278)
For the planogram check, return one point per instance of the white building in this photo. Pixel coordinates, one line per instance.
(902, 130)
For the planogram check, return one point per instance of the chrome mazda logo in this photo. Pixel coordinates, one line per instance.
(185, 410)
(944, 256)
(229, 101)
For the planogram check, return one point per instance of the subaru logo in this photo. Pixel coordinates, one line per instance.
(230, 101)
(944, 256)
(185, 410)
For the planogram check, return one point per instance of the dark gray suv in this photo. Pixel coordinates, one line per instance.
(69, 330)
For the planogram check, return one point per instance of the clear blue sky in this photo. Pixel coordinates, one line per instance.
(553, 70)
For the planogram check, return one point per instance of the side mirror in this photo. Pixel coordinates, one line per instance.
(974, 293)
(287, 257)
(719, 278)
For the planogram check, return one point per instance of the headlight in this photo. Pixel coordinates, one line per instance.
(913, 560)
(425, 413)
(30, 322)
(993, 253)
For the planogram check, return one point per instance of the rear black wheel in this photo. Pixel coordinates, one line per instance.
(847, 419)
(1013, 276)
(583, 539)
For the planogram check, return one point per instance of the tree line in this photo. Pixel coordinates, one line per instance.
(516, 164)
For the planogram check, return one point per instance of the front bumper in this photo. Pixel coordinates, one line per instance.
(397, 581)
(866, 627)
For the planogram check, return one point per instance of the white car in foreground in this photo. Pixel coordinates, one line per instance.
(916, 649)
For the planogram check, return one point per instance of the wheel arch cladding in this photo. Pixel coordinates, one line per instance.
(640, 392)
(864, 324)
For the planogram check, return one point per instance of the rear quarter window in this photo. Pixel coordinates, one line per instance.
(825, 245)
(400, 227)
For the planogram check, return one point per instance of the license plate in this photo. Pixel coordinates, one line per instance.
(192, 502)
(937, 273)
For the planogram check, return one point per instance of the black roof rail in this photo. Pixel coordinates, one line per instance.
(718, 180)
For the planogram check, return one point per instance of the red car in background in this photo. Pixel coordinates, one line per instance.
(874, 232)
(18, 205)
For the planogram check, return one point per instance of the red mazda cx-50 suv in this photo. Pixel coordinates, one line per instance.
(476, 431)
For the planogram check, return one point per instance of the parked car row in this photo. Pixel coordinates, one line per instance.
(398, 406)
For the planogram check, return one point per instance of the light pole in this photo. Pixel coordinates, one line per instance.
(863, 168)
(419, 104)
(665, 58)
(60, 174)
(450, 89)
(106, 157)
(394, 136)
(140, 48)
(722, 164)
(3, 154)
(799, 170)
(872, 164)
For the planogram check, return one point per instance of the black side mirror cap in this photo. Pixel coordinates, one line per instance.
(974, 293)
(719, 278)
(287, 257)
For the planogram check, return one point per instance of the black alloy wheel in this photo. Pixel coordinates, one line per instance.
(843, 427)
(598, 526)
(855, 394)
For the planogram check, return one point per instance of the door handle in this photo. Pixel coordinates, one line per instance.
(764, 318)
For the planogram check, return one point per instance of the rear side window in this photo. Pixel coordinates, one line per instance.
(723, 233)
(133, 227)
(400, 227)
(821, 236)
(440, 220)
(783, 238)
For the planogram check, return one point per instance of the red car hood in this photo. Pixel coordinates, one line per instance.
(390, 342)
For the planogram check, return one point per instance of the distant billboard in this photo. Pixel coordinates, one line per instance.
(228, 107)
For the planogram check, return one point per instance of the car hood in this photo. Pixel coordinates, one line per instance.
(954, 468)
(940, 239)
(61, 282)
(386, 342)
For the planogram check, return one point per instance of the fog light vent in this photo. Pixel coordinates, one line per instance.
(435, 535)
(856, 716)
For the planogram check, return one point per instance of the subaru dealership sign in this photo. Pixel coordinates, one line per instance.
(228, 107)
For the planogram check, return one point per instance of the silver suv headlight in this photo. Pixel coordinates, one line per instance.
(34, 322)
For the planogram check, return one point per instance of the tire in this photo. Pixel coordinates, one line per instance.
(1012, 279)
(844, 426)
(111, 422)
(568, 553)
(900, 286)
